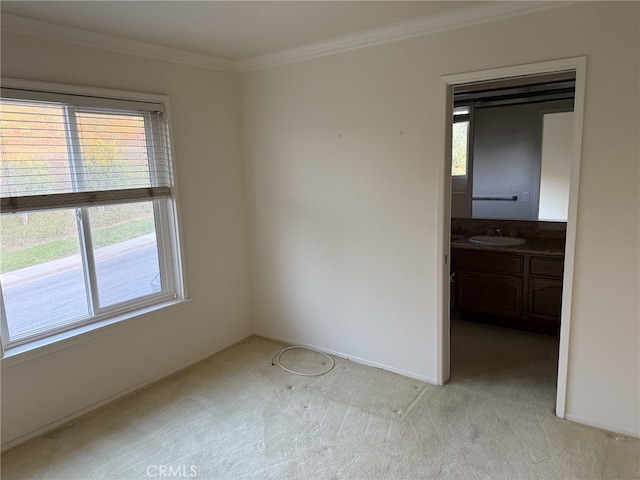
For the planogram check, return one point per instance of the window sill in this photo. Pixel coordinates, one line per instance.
(45, 346)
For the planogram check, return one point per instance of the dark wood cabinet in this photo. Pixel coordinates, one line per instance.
(488, 293)
(515, 290)
(545, 288)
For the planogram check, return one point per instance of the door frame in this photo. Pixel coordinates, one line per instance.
(579, 65)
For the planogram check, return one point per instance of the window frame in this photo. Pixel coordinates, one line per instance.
(462, 118)
(166, 221)
(462, 184)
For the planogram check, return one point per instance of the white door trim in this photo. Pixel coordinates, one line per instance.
(579, 65)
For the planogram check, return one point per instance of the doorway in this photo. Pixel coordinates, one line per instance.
(451, 82)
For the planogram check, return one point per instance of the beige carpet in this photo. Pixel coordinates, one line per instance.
(235, 416)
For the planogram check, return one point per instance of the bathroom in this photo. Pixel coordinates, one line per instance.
(511, 166)
(512, 143)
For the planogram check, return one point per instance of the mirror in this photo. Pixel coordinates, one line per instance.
(512, 142)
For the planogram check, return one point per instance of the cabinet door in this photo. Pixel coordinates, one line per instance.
(545, 298)
(489, 293)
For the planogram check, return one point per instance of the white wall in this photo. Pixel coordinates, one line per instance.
(46, 389)
(342, 156)
(555, 170)
(342, 167)
(341, 220)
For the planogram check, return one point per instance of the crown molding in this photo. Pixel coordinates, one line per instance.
(51, 31)
(398, 31)
(376, 36)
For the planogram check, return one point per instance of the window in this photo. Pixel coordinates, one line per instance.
(88, 224)
(460, 141)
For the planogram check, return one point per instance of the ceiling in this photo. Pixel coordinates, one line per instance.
(231, 30)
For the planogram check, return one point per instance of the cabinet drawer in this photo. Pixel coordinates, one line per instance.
(546, 267)
(489, 263)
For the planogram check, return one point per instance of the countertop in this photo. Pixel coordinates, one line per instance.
(534, 246)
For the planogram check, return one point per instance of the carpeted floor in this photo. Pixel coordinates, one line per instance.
(235, 416)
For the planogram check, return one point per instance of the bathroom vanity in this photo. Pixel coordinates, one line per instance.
(518, 286)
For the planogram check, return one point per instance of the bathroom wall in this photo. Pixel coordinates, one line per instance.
(507, 147)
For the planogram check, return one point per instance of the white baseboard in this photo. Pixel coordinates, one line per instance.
(346, 356)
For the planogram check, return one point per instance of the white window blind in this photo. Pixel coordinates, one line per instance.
(95, 240)
(60, 150)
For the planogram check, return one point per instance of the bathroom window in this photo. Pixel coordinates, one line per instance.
(460, 141)
(88, 225)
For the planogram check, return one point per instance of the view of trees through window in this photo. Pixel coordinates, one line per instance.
(87, 224)
(112, 148)
(459, 145)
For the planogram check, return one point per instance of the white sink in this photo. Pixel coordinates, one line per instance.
(488, 240)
